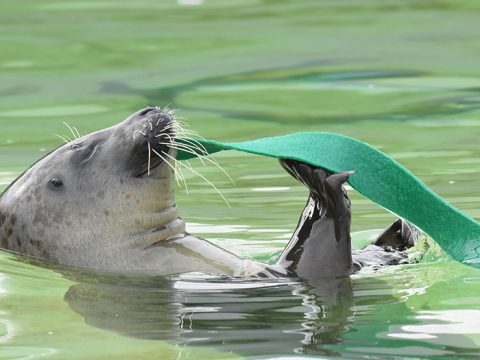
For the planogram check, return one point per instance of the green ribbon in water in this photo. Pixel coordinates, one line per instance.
(377, 176)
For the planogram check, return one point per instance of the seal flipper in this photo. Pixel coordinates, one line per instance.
(320, 246)
(388, 248)
(400, 235)
(340, 203)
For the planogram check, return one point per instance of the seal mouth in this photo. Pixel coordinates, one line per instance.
(153, 133)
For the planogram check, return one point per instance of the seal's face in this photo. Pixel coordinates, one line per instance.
(88, 200)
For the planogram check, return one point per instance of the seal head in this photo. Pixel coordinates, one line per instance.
(88, 200)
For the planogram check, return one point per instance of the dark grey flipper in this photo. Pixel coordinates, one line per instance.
(400, 235)
(320, 246)
(389, 248)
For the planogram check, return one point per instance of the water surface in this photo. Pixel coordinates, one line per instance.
(400, 75)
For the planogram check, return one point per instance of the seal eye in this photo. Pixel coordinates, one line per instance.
(56, 182)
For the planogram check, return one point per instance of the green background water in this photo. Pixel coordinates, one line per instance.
(401, 75)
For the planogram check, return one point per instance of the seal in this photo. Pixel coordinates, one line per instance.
(103, 202)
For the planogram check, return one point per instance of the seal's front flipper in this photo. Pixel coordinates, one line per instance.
(342, 208)
(400, 235)
(320, 246)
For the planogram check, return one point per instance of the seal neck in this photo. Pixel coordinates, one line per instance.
(172, 229)
(158, 226)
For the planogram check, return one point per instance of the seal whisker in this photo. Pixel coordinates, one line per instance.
(177, 165)
(178, 173)
(203, 177)
(188, 133)
(195, 145)
(184, 128)
(78, 133)
(190, 137)
(168, 127)
(71, 130)
(179, 176)
(64, 138)
(185, 148)
(135, 132)
(166, 162)
(178, 119)
(169, 137)
(179, 170)
(191, 150)
(181, 123)
(149, 158)
(178, 146)
(169, 111)
(172, 124)
(197, 148)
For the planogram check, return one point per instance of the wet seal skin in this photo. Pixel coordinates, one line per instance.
(105, 201)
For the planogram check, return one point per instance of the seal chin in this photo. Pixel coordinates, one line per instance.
(158, 166)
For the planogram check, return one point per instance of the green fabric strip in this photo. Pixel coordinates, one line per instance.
(378, 177)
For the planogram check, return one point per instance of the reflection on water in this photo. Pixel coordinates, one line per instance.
(244, 316)
(252, 317)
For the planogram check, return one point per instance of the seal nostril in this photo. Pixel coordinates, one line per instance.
(146, 111)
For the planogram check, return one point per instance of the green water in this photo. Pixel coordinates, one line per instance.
(401, 75)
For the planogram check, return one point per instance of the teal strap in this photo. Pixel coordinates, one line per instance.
(378, 177)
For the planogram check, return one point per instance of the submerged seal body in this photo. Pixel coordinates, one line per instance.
(105, 201)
